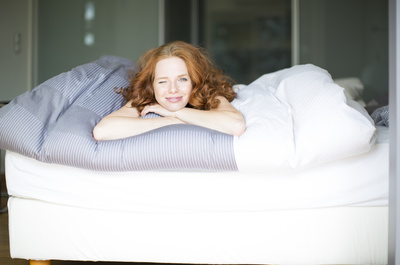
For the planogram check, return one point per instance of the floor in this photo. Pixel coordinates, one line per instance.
(5, 258)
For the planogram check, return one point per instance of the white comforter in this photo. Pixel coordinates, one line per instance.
(306, 120)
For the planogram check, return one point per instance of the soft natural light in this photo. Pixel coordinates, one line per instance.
(90, 12)
(89, 16)
(89, 39)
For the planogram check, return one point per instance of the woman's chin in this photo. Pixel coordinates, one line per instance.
(174, 107)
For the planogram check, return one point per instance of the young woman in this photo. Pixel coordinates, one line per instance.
(180, 83)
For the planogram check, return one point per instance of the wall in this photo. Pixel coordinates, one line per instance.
(15, 48)
(124, 28)
(349, 39)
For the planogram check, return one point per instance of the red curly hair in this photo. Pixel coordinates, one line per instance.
(208, 82)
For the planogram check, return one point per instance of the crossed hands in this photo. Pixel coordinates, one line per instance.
(157, 109)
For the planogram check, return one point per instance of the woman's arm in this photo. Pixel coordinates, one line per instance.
(125, 122)
(225, 118)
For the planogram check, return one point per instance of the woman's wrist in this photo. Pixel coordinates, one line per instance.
(174, 120)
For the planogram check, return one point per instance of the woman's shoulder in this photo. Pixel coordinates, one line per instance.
(126, 110)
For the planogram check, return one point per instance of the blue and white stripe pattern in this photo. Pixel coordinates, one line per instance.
(53, 123)
(381, 116)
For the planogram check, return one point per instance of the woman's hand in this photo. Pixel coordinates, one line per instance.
(157, 109)
(225, 118)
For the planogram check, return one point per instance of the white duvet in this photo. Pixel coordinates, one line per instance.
(307, 120)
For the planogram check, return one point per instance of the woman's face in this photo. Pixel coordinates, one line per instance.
(172, 84)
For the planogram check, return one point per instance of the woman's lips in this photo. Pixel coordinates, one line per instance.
(174, 99)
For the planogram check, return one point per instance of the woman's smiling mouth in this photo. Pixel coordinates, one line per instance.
(173, 99)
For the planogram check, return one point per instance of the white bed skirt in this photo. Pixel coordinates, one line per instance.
(337, 235)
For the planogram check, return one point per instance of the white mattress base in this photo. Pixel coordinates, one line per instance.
(338, 235)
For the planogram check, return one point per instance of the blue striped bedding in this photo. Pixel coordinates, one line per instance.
(54, 123)
(295, 118)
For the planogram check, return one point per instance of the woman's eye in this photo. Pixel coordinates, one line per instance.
(162, 82)
(183, 79)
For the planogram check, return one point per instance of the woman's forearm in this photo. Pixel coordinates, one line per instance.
(118, 127)
(230, 122)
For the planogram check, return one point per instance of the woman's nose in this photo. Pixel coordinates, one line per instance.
(173, 88)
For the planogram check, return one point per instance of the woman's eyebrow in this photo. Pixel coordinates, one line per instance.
(164, 77)
(160, 78)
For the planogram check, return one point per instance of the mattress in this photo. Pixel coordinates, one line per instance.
(356, 181)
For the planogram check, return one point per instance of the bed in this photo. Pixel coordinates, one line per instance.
(307, 183)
